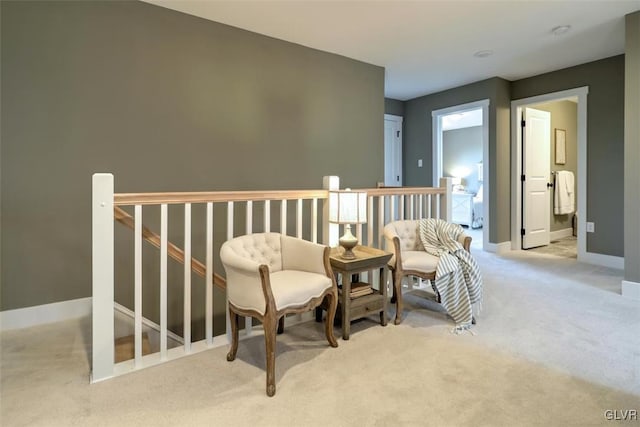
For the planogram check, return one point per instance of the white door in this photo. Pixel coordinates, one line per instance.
(392, 151)
(536, 146)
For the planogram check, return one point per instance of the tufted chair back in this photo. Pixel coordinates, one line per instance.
(263, 248)
(408, 232)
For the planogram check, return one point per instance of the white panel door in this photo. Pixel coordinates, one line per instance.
(536, 146)
(392, 151)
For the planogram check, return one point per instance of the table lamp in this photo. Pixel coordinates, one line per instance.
(348, 207)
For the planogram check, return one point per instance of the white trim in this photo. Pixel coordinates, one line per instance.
(516, 166)
(436, 129)
(394, 118)
(560, 234)
(46, 313)
(498, 248)
(631, 290)
(610, 261)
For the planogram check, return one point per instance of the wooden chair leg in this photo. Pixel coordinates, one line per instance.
(393, 290)
(397, 291)
(269, 324)
(331, 315)
(233, 318)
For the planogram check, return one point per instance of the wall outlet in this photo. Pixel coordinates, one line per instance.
(591, 228)
(419, 163)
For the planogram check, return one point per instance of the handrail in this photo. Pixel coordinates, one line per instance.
(172, 250)
(395, 191)
(126, 199)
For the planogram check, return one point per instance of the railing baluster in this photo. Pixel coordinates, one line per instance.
(209, 277)
(314, 220)
(138, 286)
(187, 278)
(411, 206)
(267, 216)
(299, 219)
(249, 217)
(381, 210)
(392, 208)
(283, 217)
(229, 220)
(369, 241)
(229, 237)
(164, 221)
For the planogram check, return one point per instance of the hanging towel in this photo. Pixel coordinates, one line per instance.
(564, 196)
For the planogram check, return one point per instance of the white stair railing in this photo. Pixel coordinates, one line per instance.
(384, 204)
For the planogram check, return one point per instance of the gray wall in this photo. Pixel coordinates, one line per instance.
(394, 106)
(167, 102)
(462, 148)
(564, 115)
(605, 142)
(418, 144)
(632, 149)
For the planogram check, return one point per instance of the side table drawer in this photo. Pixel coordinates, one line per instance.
(366, 305)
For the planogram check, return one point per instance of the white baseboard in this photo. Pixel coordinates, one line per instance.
(602, 260)
(46, 313)
(561, 234)
(631, 290)
(498, 248)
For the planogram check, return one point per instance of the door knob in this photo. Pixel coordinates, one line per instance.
(549, 184)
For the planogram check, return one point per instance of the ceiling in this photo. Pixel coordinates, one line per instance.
(428, 46)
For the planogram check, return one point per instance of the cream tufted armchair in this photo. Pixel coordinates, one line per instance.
(410, 259)
(270, 275)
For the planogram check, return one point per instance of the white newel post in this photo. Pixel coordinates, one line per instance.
(330, 232)
(445, 204)
(102, 277)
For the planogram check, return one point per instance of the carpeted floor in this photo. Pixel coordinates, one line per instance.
(555, 345)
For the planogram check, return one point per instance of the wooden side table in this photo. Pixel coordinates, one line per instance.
(352, 308)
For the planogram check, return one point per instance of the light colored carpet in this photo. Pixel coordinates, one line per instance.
(556, 345)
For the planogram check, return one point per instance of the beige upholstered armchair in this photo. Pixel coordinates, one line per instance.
(270, 275)
(410, 259)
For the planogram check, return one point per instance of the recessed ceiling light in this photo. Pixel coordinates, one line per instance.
(562, 29)
(483, 53)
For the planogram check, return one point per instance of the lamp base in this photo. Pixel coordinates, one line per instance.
(348, 242)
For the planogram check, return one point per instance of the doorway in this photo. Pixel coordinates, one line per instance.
(519, 201)
(461, 151)
(392, 151)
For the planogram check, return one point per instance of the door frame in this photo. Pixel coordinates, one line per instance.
(436, 128)
(399, 120)
(516, 163)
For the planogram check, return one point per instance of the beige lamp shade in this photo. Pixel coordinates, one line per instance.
(347, 207)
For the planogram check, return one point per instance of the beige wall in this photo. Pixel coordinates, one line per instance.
(564, 115)
(167, 102)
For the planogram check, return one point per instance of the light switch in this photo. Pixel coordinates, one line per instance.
(419, 163)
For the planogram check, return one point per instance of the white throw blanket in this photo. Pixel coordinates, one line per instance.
(458, 278)
(564, 195)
